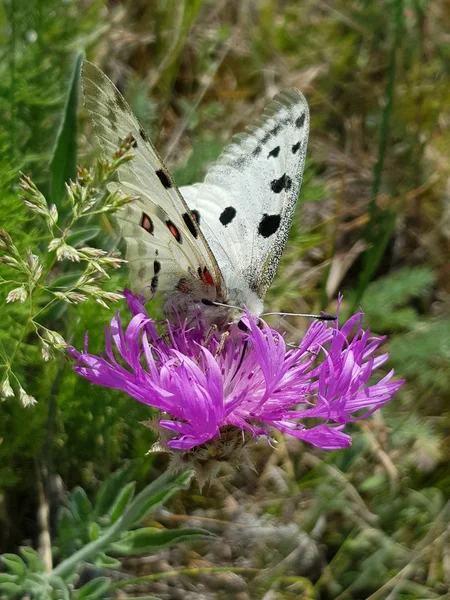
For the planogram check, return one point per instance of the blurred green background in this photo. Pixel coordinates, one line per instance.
(373, 222)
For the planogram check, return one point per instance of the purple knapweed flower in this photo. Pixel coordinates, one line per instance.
(253, 382)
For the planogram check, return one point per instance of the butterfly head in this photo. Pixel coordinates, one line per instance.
(191, 301)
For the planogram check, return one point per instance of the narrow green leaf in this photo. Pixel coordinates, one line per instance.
(79, 238)
(82, 508)
(66, 280)
(37, 579)
(59, 585)
(159, 492)
(110, 491)
(12, 588)
(14, 564)
(149, 539)
(94, 589)
(7, 578)
(63, 164)
(142, 598)
(66, 525)
(33, 559)
(107, 562)
(94, 531)
(123, 500)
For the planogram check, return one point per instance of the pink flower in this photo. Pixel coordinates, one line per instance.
(252, 383)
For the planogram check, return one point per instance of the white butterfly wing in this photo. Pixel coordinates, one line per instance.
(248, 199)
(164, 243)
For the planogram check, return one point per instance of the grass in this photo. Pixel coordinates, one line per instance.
(372, 519)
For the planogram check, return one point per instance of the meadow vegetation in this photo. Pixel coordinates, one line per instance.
(373, 222)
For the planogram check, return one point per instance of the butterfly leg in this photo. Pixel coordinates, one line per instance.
(211, 331)
(223, 339)
(208, 337)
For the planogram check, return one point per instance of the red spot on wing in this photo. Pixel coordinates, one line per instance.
(183, 287)
(174, 231)
(147, 223)
(196, 216)
(206, 276)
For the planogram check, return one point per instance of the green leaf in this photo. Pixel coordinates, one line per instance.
(149, 539)
(33, 559)
(110, 490)
(123, 500)
(66, 525)
(59, 585)
(82, 508)
(94, 589)
(7, 578)
(143, 598)
(160, 491)
(66, 281)
(37, 579)
(396, 289)
(13, 588)
(94, 531)
(63, 164)
(107, 562)
(373, 483)
(80, 237)
(14, 564)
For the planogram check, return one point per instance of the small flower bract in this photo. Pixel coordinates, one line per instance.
(252, 383)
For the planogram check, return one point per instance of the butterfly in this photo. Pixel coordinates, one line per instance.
(211, 247)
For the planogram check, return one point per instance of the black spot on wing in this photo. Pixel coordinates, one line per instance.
(257, 151)
(227, 215)
(143, 134)
(300, 121)
(183, 286)
(156, 267)
(275, 130)
(112, 118)
(295, 148)
(196, 216)
(268, 225)
(275, 152)
(283, 183)
(164, 178)
(120, 100)
(190, 224)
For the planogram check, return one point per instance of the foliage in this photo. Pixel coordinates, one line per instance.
(376, 78)
(88, 534)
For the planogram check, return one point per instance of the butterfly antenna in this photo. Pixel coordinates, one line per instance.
(229, 306)
(323, 317)
(214, 303)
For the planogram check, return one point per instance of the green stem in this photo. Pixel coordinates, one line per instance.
(177, 573)
(381, 225)
(25, 329)
(387, 111)
(12, 67)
